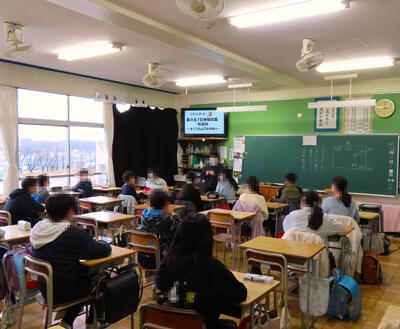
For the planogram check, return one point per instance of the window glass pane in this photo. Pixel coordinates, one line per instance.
(58, 181)
(85, 110)
(41, 105)
(88, 151)
(42, 149)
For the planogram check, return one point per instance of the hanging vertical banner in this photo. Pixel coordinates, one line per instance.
(327, 119)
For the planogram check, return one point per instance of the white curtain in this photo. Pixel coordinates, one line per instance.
(8, 135)
(109, 137)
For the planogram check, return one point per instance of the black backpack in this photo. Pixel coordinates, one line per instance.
(116, 293)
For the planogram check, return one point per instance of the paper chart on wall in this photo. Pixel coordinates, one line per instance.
(326, 118)
(357, 120)
(223, 152)
(239, 143)
(237, 165)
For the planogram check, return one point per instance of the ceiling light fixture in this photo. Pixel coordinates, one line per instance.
(297, 10)
(241, 108)
(347, 103)
(92, 51)
(356, 64)
(201, 81)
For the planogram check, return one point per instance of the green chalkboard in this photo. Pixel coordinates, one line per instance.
(370, 162)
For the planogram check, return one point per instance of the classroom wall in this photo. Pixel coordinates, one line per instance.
(281, 115)
(45, 80)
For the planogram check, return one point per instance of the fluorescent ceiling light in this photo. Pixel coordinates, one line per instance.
(246, 108)
(297, 10)
(357, 64)
(240, 85)
(92, 51)
(347, 103)
(200, 81)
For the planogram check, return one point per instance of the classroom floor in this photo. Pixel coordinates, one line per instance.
(375, 300)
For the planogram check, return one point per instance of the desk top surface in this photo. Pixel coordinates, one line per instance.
(116, 253)
(64, 193)
(107, 189)
(13, 233)
(368, 215)
(101, 200)
(107, 216)
(256, 291)
(205, 199)
(237, 215)
(170, 206)
(392, 313)
(293, 249)
(276, 205)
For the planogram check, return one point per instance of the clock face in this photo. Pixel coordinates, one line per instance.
(384, 108)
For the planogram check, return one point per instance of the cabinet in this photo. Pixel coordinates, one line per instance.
(269, 191)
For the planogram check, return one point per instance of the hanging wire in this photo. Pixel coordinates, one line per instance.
(234, 97)
(350, 89)
(331, 89)
(248, 96)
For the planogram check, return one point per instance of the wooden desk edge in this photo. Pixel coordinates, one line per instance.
(99, 261)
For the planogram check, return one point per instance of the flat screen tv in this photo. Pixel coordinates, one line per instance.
(204, 122)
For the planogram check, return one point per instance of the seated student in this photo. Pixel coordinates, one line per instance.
(154, 182)
(227, 186)
(84, 186)
(56, 241)
(128, 188)
(209, 174)
(189, 192)
(21, 205)
(44, 183)
(310, 218)
(189, 276)
(341, 203)
(157, 219)
(251, 195)
(290, 191)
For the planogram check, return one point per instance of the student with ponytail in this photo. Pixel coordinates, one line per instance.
(311, 218)
(341, 203)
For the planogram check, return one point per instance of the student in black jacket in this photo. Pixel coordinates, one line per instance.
(128, 188)
(63, 246)
(84, 186)
(210, 173)
(21, 205)
(189, 277)
(189, 192)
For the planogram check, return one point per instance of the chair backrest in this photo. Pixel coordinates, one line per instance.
(190, 207)
(221, 220)
(5, 218)
(88, 224)
(138, 212)
(154, 316)
(85, 206)
(145, 242)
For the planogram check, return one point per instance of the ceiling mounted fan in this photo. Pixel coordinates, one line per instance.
(14, 36)
(154, 79)
(310, 58)
(202, 9)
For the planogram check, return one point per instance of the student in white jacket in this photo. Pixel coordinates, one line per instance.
(311, 218)
(155, 182)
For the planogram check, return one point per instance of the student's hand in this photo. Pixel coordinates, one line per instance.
(212, 172)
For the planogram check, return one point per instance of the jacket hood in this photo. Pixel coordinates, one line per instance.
(46, 231)
(17, 192)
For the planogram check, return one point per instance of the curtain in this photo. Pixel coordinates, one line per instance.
(8, 135)
(144, 138)
(109, 137)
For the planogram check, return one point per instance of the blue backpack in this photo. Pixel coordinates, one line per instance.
(345, 297)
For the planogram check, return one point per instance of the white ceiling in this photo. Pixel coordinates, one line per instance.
(155, 30)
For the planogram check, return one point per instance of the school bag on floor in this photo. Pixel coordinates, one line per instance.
(345, 297)
(371, 272)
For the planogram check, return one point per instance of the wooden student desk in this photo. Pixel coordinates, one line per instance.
(340, 239)
(392, 313)
(211, 203)
(256, 292)
(102, 202)
(65, 193)
(106, 190)
(274, 209)
(369, 221)
(14, 236)
(116, 258)
(108, 219)
(295, 251)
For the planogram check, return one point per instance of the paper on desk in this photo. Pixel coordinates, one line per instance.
(223, 152)
(239, 143)
(310, 140)
(237, 164)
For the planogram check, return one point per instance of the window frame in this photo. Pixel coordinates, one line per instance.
(59, 123)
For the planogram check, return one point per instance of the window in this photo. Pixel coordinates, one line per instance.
(59, 135)
(3, 167)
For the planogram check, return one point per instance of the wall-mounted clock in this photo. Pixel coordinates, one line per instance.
(384, 108)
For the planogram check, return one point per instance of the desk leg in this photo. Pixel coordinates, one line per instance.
(251, 324)
(113, 234)
(308, 294)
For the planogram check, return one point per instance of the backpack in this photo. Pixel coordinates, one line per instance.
(117, 296)
(11, 271)
(371, 272)
(3, 280)
(345, 297)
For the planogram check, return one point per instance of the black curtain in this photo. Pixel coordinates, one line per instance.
(143, 138)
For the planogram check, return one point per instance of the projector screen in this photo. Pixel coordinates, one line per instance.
(205, 122)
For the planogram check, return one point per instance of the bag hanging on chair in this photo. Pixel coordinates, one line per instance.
(121, 238)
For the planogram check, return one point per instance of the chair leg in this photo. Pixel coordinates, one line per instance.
(21, 312)
(224, 252)
(47, 323)
(132, 321)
